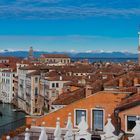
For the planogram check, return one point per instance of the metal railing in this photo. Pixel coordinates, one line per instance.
(4, 129)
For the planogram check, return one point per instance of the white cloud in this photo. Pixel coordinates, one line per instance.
(56, 9)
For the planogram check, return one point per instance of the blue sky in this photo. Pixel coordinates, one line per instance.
(70, 25)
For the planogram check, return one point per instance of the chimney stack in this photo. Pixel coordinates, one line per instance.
(121, 82)
(60, 78)
(136, 81)
(138, 88)
(88, 90)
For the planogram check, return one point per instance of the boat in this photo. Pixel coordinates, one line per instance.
(17, 110)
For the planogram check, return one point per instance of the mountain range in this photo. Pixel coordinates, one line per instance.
(24, 54)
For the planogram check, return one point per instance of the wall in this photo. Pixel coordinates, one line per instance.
(104, 100)
(131, 112)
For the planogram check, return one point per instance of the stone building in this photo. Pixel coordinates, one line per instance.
(55, 58)
(28, 90)
(6, 85)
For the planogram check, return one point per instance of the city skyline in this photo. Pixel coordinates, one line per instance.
(75, 26)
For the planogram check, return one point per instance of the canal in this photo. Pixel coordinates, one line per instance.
(10, 119)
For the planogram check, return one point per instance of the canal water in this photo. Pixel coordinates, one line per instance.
(8, 115)
(10, 120)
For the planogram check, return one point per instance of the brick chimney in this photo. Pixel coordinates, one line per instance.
(138, 89)
(121, 82)
(60, 78)
(136, 81)
(88, 90)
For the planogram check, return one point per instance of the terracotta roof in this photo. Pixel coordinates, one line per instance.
(129, 101)
(64, 78)
(34, 73)
(114, 68)
(34, 67)
(2, 65)
(70, 97)
(8, 70)
(112, 82)
(128, 79)
(9, 57)
(104, 99)
(129, 89)
(55, 56)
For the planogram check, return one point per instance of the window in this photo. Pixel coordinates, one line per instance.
(36, 79)
(36, 91)
(57, 85)
(35, 100)
(78, 115)
(7, 81)
(97, 120)
(35, 110)
(53, 84)
(131, 123)
(8, 74)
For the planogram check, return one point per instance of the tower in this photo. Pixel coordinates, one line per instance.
(139, 50)
(30, 55)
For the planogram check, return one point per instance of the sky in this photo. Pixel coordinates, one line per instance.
(70, 25)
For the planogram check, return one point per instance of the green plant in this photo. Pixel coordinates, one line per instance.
(45, 109)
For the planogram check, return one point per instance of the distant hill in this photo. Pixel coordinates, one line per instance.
(24, 54)
(106, 55)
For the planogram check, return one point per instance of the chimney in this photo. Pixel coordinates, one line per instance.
(88, 90)
(89, 77)
(121, 82)
(138, 88)
(60, 78)
(136, 81)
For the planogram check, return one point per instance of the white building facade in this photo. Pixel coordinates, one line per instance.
(6, 85)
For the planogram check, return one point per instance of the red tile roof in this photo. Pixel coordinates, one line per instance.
(129, 101)
(70, 97)
(55, 56)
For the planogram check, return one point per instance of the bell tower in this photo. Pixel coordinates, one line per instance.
(30, 56)
(139, 49)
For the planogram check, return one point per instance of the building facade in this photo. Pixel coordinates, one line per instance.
(6, 85)
(55, 58)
